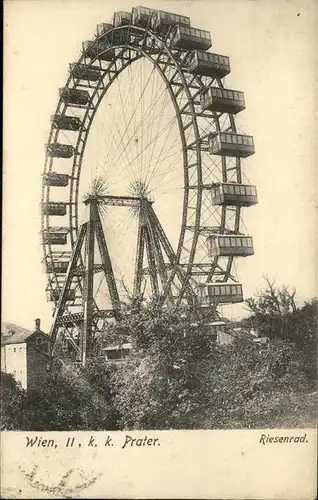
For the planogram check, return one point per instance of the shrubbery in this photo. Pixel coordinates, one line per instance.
(177, 378)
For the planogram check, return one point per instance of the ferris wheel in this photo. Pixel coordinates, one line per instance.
(144, 156)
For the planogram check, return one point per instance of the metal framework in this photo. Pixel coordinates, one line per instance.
(89, 232)
(179, 273)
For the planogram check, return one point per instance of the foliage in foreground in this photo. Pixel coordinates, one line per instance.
(65, 401)
(177, 378)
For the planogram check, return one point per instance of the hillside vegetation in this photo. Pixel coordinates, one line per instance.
(177, 377)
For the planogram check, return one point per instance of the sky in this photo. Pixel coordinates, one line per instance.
(271, 46)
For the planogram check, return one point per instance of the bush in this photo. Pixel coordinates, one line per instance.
(12, 399)
(176, 377)
(67, 401)
(253, 386)
(159, 386)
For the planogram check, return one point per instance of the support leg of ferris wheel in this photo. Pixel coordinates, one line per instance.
(88, 297)
(176, 269)
(159, 257)
(149, 238)
(94, 228)
(145, 241)
(139, 255)
(151, 262)
(91, 229)
(61, 306)
(107, 267)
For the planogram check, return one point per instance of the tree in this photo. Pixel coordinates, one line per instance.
(67, 401)
(177, 377)
(273, 301)
(253, 387)
(159, 386)
(12, 398)
(276, 315)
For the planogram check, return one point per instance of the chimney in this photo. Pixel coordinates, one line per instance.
(37, 324)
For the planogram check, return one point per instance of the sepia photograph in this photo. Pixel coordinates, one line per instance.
(159, 231)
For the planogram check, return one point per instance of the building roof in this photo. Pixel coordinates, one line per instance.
(14, 334)
(127, 345)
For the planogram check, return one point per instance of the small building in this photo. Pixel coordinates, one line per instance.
(231, 334)
(117, 353)
(25, 354)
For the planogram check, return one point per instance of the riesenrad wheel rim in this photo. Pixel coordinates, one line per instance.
(202, 82)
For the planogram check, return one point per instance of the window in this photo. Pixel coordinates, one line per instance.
(249, 242)
(229, 138)
(217, 290)
(230, 94)
(233, 242)
(231, 189)
(219, 93)
(244, 242)
(234, 139)
(225, 188)
(227, 289)
(239, 139)
(242, 189)
(222, 242)
(227, 242)
(14, 350)
(238, 242)
(39, 341)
